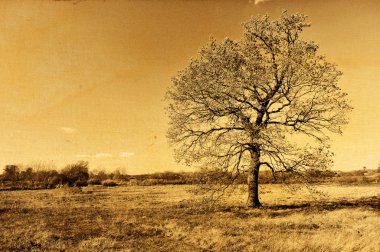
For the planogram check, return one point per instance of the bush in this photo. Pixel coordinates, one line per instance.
(80, 183)
(348, 180)
(54, 181)
(109, 182)
(27, 174)
(76, 174)
(101, 176)
(94, 181)
(11, 173)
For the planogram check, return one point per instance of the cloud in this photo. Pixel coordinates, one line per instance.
(102, 155)
(68, 130)
(97, 155)
(127, 154)
(260, 1)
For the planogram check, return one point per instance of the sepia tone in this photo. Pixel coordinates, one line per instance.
(189, 125)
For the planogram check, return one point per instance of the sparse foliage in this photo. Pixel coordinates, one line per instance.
(76, 174)
(11, 172)
(109, 182)
(239, 106)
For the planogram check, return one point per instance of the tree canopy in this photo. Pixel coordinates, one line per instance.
(241, 105)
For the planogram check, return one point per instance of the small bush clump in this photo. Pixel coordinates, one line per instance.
(76, 174)
(94, 181)
(109, 182)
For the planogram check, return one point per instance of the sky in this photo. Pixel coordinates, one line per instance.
(86, 80)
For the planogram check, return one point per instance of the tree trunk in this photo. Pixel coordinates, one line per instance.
(253, 180)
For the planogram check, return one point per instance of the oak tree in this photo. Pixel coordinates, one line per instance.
(269, 100)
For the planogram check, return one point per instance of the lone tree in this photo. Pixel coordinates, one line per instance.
(267, 100)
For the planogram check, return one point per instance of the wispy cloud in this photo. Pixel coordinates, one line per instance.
(68, 130)
(102, 155)
(260, 1)
(96, 155)
(127, 154)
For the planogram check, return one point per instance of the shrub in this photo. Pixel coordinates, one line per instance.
(101, 175)
(11, 172)
(76, 174)
(54, 181)
(152, 182)
(349, 180)
(94, 181)
(80, 183)
(109, 182)
(27, 174)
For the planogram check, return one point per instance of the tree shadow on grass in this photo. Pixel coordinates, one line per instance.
(330, 205)
(191, 207)
(272, 211)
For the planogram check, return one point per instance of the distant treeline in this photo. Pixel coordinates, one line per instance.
(265, 177)
(78, 174)
(15, 177)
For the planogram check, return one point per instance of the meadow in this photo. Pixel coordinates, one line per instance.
(173, 218)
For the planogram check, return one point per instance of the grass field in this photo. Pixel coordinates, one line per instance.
(171, 218)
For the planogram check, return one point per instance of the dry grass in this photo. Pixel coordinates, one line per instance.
(170, 218)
